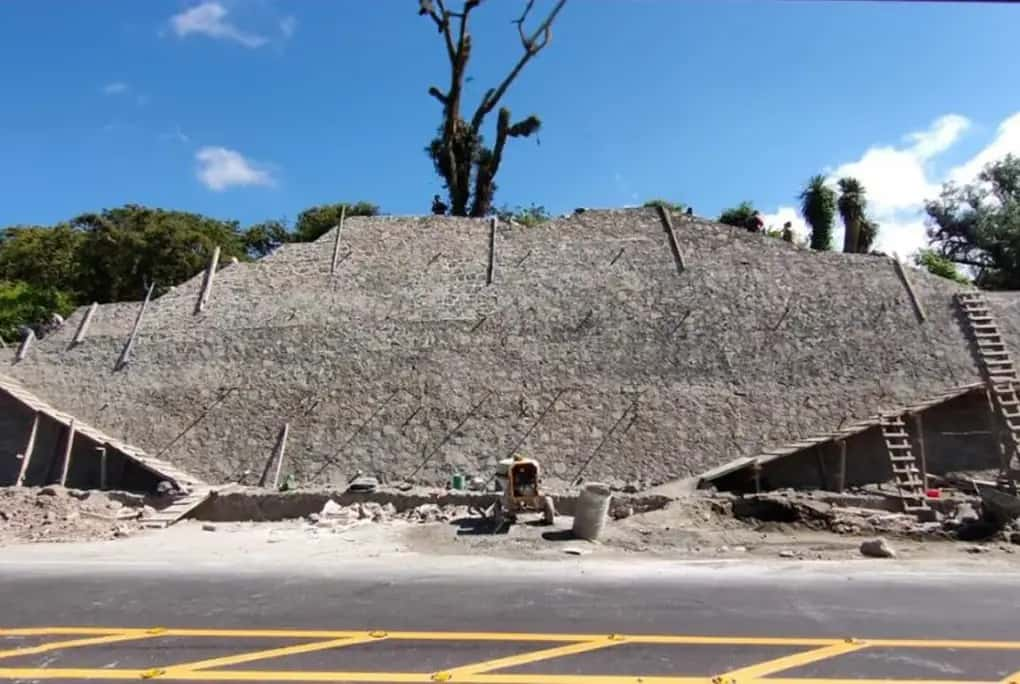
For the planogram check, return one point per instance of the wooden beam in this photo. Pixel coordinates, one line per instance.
(281, 451)
(25, 345)
(902, 273)
(68, 446)
(29, 448)
(125, 354)
(103, 477)
(336, 242)
(919, 427)
(210, 274)
(84, 325)
(674, 246)
(491, 274)
(842, 466)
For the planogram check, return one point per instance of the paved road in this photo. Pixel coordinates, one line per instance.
(484, 620)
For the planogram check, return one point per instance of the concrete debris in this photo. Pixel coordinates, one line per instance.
(1014, 538)
(57, 514)
(877, 548)
(787, 553)
(978, 548)
(208, 527)
(572, 551)
(363, 484)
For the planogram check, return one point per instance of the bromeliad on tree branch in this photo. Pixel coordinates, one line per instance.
(458, 151)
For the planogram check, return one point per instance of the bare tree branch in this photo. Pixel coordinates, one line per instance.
(532, 44)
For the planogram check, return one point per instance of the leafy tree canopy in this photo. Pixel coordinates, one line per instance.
(978, 225)
(931, 261)
(737, 216)
(818, 207)
(678, 207)
(315, 222)
(529, 216)
(23, 304)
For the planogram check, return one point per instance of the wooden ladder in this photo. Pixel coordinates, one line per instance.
(177, 510)
(1000, 374)
(906, 474)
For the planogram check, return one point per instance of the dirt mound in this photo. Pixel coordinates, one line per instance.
(56, 514)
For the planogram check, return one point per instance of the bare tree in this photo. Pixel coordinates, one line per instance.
(458, 151)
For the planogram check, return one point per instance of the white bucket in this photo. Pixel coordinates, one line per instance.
(591, 511)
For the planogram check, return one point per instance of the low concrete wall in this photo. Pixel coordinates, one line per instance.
(258, 505)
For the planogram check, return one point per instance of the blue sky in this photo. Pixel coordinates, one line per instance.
(255, 109)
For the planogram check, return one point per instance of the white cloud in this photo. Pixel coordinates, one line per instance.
(288, 25)
(898, 179)
(115, 88)
(220, 168)
(210, 19)
(780, 216)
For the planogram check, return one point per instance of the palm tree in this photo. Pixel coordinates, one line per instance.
(852, 204)
(818, 206)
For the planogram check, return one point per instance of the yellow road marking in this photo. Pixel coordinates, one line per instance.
(170, 670)
(457, 673)
(365, 677)
(768, 667)
(76, 643)
(1012, 679)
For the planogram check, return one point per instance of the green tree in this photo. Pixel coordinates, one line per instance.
(818, 206)
(22, 304)
(978, 225)
(737, 216)
(314, 222)
(125, 249)
(530, 216)
(931, 261)
(869, 235)
(677, 207)
(852, 204)
(46, 258)
(458, 151)
(262, 238)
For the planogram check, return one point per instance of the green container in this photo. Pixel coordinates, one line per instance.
(458, 481)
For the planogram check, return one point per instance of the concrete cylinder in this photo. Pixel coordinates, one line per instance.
(591, 511)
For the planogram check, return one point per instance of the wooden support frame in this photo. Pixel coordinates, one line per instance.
(68, 448)
(490, 275)
(922, 455)
(29, 448)
(914, 301)
(104, 478)
(25, 345)
(841, 482)
(336, 242)
(281, 452)
(83, 327)
(674, 245)
(207, 283)
(125, 354)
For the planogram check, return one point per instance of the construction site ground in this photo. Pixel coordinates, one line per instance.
(695, 527)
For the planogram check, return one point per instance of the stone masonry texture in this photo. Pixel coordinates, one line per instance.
(757, 343)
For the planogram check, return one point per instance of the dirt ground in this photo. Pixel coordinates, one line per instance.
(56, 514)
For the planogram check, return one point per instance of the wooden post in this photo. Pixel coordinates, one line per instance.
(491, 275)
(3, 342)
(919, 427)
(25, 344)
(674, 246)
(125, 354)
(336, 242)
(29, 448)
(84, 325)
(210, 274)
(842, 466)
(101, 452)
(67, 453)
(281, 450)
(915, 302)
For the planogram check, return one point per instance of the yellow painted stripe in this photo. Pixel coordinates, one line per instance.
(1012, 679)
(266, 654)
(64, 631)
(786, 662)
(77, 643)
(779, 680)
(456, 674)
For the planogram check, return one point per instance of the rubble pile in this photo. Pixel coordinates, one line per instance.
(335, 515)
(56, 514)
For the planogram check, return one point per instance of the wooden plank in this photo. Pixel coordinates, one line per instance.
(68, 446)
(281, 451)
(29, 448)
(842, 466)
(125, 354)
(210, 275)
(919, 424)
(902, 273)
(103, 476)
(490, 276)
(25, 345)
(83, 327)
(336, 242)
(667, 223)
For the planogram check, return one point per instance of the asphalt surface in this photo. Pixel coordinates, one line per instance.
(399, 617)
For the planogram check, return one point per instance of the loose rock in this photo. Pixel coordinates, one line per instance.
(208, 527)
(877, 548)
